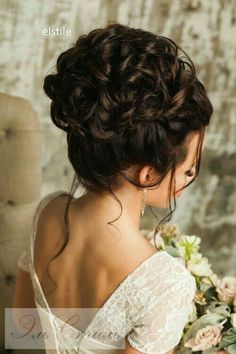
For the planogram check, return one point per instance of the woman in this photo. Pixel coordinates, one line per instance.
(135, 116)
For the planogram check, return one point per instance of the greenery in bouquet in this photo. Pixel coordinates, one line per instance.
(211, 326)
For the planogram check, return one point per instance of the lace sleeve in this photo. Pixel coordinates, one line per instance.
(161, 326)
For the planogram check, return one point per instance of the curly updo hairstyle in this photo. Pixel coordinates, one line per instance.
(124, 96)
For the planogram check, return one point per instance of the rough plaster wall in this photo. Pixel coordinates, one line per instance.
(205, 29)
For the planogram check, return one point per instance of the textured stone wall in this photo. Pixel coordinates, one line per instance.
(205, 29)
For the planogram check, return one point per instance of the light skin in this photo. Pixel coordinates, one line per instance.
(131, 196)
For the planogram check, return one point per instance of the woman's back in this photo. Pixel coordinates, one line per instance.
(148, 308)
(94, 261)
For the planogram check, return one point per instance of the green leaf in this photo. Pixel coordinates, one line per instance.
(231, 331)
(220, 308)
(210, 351)
(172, 251)
(232, 349)
(229, 337)
(210, 293)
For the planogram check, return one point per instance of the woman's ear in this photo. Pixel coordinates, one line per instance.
(147, 175)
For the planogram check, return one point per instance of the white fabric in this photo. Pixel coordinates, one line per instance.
(150, 307)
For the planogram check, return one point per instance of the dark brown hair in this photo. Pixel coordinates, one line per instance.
(125, 96)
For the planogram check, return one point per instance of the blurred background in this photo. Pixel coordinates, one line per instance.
(206, 30)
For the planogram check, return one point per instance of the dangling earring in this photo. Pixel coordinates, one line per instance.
(143, 200)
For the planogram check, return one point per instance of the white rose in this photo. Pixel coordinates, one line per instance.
(199, 265)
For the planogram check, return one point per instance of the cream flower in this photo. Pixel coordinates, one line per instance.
(208, 282)
(214, 278)
(199, 265)
(169, 230)
(188, 245)
(200, 298)
(193, 313)
(226, 289)
(205, 338)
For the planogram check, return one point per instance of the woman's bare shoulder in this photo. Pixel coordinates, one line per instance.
(50, 227)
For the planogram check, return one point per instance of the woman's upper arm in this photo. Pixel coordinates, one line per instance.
(23, 292)
(23, 297)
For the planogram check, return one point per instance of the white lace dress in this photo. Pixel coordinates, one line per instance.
(150, 307)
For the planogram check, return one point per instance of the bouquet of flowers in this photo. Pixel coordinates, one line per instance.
(211, 327)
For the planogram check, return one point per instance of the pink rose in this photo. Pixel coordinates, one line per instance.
(205, 338)
(226, 289)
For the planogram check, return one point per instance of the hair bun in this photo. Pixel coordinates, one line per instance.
(125, 96)
(50, 86)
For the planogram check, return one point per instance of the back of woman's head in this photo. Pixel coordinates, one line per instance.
(126, 97)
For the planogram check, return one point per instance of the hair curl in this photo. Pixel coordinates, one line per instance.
(125, 96)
